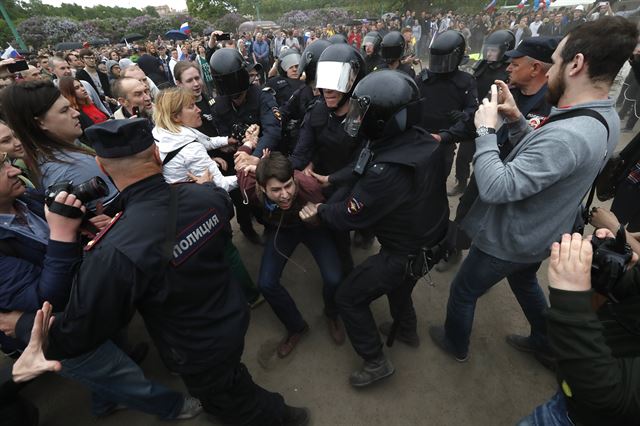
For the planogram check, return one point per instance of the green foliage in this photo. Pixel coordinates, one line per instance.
(211, 9)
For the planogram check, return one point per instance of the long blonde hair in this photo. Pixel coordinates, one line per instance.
(170, 103)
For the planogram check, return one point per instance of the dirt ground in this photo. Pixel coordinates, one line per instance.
(497, 386)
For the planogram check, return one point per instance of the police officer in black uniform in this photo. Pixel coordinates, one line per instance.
(454, 92)
(163, 256)
(371, 50)
(398, 189)
(323, 144)
(492, 67)
(392, 51)
(287, 80)
(294, 110)
(240, 104)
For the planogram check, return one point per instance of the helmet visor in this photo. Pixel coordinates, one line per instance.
(441, 64)
(232, 83)
(358, 108)
(370, 39)
(290, 60)
(335, 76)
(493, 52)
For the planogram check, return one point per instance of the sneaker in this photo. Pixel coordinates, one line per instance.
(410, 338)
(439, 337)
(190, 408)
(295, 416)
(289, 343)
(336, 330)
(458, 189)
(372, 371)
(445, 265)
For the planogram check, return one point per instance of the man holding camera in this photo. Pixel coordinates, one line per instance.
(536, 193)
(597, 353)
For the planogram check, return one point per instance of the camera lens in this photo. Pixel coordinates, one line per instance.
(91, 190)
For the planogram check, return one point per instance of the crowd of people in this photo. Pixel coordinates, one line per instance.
(122, 168)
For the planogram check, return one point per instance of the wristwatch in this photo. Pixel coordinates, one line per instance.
(484, 130)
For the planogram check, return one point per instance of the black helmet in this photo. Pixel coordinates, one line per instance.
(385, 103)
(496, 44)
(337, 39)
(288, 58)
(229, 71)
(309, 59)
(340, 68)
(374, 38)
(447, 52)
(392, 46)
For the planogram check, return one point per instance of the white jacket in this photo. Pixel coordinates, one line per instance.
(193, 157)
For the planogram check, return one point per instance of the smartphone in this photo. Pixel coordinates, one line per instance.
(18, 66)
(136, 111)
(223, 36)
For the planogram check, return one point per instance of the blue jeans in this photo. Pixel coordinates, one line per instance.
(115, 379)
(274, 258)
(551, 413)
(477, 274)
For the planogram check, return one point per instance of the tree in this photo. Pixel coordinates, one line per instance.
(211, 9)
(151, 11)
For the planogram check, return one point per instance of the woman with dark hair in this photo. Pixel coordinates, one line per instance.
(79, 99)
(48, 128)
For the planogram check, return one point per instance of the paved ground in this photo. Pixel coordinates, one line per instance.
(497, 386)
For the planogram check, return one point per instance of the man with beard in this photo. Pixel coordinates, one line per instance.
(535, 195)
(134, 98)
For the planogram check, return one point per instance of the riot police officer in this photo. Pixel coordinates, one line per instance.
(371, 50)
(454, 91)
(392, 50)
(323, 144)
(294, 110)
(398, 190)
(338, 39)
(287, 80)
(492, 67)
(240, 104)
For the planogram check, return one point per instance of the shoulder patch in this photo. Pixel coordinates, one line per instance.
(276, 113)
(190, 239)
(354, 206)
(91, 244)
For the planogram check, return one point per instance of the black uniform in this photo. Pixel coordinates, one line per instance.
(180, 284)
(259, 108)
(446, 94)
(485, 74)
(293, 112)
(323, 141)
(283, 87)
(402, 198)
(372, 61)
(405, 68)
(208, 127)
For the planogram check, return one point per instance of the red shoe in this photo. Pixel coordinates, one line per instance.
(286, 346)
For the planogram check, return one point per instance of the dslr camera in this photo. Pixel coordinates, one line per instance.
(610, 259)
(238, 131)
(91, 190)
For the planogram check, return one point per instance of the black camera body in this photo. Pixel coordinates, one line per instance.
(238, 131)
(610, 259)
(86, 192)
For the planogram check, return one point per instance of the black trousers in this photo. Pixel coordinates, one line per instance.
(16, 410)
(228, 392)
(466, 149)
(383, 273)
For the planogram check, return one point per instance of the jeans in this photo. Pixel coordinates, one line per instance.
(551, 413)
(477, 274)
(274, 258)
(115, 379)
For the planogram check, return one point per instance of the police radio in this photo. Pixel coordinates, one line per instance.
(363, 160)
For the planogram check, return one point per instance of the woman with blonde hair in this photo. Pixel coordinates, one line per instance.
(183, 149)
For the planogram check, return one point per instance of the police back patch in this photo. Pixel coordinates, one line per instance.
(195, 235)
(354, 206)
